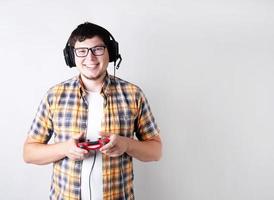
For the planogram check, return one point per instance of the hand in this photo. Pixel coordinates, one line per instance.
(72, 151)
(117, 145)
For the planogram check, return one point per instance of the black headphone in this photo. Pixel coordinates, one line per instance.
(112, 46)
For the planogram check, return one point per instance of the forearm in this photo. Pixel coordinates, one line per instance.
(42, 154)
(150, 150)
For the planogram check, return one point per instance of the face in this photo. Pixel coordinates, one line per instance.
(92, 67)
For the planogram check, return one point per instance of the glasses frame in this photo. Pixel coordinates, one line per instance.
(92, 49)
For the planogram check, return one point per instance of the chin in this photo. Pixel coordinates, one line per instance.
(93, 76)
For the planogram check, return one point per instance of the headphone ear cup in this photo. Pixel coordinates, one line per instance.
(69, 56)
(113, 50)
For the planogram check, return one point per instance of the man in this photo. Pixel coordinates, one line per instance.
(92, 105)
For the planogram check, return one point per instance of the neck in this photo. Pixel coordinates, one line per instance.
(93, 85)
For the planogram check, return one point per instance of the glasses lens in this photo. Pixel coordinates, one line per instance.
(81, 52)
(98, 51)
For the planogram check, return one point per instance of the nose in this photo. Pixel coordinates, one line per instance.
(90, 56)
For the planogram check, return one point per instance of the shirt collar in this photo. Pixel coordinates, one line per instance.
(83, 91)
(106, 90)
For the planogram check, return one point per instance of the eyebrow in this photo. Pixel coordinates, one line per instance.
(99, 45)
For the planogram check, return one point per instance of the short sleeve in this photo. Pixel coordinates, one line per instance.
(42, 126)
(146, 126)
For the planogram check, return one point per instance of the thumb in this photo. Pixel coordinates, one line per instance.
(103, 134)
(78, 136)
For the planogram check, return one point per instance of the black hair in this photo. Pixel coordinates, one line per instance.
(88, 30)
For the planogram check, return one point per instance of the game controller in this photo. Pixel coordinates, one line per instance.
(93, 145)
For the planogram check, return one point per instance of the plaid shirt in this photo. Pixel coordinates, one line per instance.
(63, 113)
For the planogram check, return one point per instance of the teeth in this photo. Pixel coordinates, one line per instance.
(90, 66)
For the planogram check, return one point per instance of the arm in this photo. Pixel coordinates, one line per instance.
(149, 150)
(41, 154)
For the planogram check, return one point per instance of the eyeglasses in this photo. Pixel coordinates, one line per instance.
(96, 51)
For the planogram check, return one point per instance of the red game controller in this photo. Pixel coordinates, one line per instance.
(93, 145)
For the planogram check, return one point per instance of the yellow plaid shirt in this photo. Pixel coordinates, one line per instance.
(63, 113)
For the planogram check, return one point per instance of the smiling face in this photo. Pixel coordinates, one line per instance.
(91, 67)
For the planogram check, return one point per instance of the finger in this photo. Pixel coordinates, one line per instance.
(82, 151)
(78, 151)
(113, 153)
(108, 146)
(112, 150)
(77, 158)
(104, 134)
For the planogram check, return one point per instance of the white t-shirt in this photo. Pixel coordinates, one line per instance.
(91, 176)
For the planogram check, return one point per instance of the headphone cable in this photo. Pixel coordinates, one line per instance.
(94, 159)
(117, 66)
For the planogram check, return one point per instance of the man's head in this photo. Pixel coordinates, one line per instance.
(89, 30)
(86, 31)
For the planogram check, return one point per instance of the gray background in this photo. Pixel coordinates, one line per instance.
(205, 66)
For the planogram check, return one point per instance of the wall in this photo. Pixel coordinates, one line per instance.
(205, 66)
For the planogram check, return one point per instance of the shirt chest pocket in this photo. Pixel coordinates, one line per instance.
(66, 124)
(127, 120)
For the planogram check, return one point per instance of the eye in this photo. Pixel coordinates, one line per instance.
(98, 51)
(81, 51)
(98, 48)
